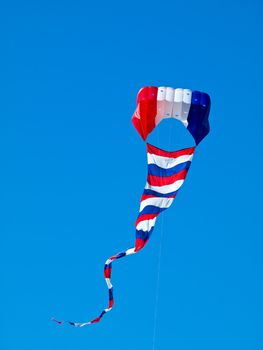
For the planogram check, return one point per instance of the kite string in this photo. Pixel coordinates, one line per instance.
(158, 285)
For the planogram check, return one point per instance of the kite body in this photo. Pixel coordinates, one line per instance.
(166, 174)
(166, 170)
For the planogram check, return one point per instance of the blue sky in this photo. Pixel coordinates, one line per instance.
(73, 169)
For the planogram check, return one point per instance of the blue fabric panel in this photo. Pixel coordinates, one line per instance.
(151, 209)
(198, 124)
(155, 170)
(103, 312)
(107, 266)
(120, 255)
(111, 294)
(157, 194)
(144, 235)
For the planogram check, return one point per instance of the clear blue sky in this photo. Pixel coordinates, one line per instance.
(73, 169)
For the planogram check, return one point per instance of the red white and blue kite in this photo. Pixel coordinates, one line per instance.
(166, 170)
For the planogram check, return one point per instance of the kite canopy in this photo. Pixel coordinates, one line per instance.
(156, 103)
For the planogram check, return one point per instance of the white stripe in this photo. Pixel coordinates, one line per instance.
(108, 283)
(165, 189)
(108, 261)
(130, 251)
(167, 163)
(82, 324)
(157, 202)
(146, 225)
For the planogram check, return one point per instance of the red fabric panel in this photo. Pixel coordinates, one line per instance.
(146, 111)
(166, 180)
(145, 217)
(159, 152)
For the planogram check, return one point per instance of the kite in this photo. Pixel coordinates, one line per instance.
(166, 170)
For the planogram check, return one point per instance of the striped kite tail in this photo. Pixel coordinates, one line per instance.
(166, 174)
(107, 276)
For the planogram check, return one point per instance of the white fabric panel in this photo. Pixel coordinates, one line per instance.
(167, 163)
(169, 96)
(81, 324)
(173, 103)
(178, 95)
(130, 251)
(187, 96)
(108, 283)
(182, 104)
(108, 261)
(160, 104)
(161, 93)
(168, 109)
(157, 202)
(145, 225)
(108, 309)
(177, 106)
(168, 106)
(165, 189)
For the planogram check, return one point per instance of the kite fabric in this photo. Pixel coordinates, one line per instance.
(166, 170)
(154, 104)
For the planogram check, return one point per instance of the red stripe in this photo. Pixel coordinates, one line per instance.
(96, 320)
(146, 196)
(112, 257)
(111, 302)
(107, 272)
(145, 217)
(166, 180)
(159, 152)
(140, 243)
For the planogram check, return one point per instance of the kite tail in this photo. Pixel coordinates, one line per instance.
(166, 174)
(107, 276)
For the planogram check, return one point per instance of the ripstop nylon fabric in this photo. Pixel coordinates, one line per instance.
(166, 174)
(166, 170)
